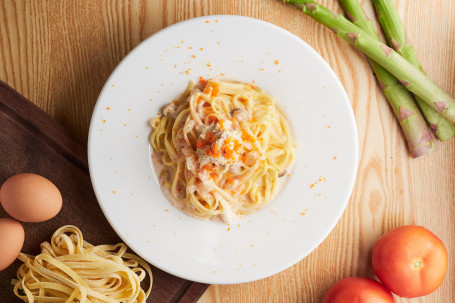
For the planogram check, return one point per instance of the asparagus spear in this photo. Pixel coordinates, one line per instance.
(396, 36)
(419, 140)
(411, 77)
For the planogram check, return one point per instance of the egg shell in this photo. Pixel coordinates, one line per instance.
(30, 198)
(11, 241)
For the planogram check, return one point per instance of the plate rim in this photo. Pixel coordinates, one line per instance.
(345, 200)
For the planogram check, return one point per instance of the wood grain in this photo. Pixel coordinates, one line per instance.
(59, 54)
(33, 142)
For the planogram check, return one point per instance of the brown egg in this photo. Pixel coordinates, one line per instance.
(11, 240)
(30, 198)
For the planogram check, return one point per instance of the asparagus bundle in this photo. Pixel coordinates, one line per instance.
(411, 77)
(396, 36)
(419, 139)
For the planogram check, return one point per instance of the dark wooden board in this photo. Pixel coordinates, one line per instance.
(31, 141)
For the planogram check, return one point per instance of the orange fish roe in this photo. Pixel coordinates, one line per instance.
(215, 90)
(210, 138)
(231, 148)
(207, 90)
(212, 119)
(199, 99)
(202, 81)
(200, 144)
(221, 124)
(213, 151)
(247, 137)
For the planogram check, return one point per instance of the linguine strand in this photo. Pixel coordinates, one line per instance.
(69, 269)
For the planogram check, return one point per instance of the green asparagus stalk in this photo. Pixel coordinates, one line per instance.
(396, 36)
(419, 140)
(410, 76)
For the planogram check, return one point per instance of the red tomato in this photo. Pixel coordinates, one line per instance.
(358, 290)
(410, 261)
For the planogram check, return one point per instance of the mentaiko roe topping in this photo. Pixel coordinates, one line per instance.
(210, 138)
(222, 143)
(212, 119)
(213, 151)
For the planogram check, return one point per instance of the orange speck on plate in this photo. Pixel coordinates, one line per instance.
(112, 85)
(113, 191)
(193, 56)
(187, 72)
(251, 245)
(302, 214)
(328, 126)
(129, 109)
(221, 74)
(334, 158)
(189, 47)
(166, 210)
(228, 229)
(108, 108)
(312, 185)
(175, 65)
(150, 100)
(147, 67)
(104, 121)
(213, 272)
(218, 42)
(124, 124)
(277, 62)
(201, 48)
(207, 21)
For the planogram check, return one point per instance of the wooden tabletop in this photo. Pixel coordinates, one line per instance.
(58, 54)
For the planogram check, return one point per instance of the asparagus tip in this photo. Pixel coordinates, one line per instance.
(441, 106)
(422, 151)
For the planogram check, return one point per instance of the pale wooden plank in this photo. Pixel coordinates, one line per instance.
(59, 54)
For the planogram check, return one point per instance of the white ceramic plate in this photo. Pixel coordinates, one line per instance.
(232, 48)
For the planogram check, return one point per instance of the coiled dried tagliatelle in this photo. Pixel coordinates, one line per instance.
(71, 270)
